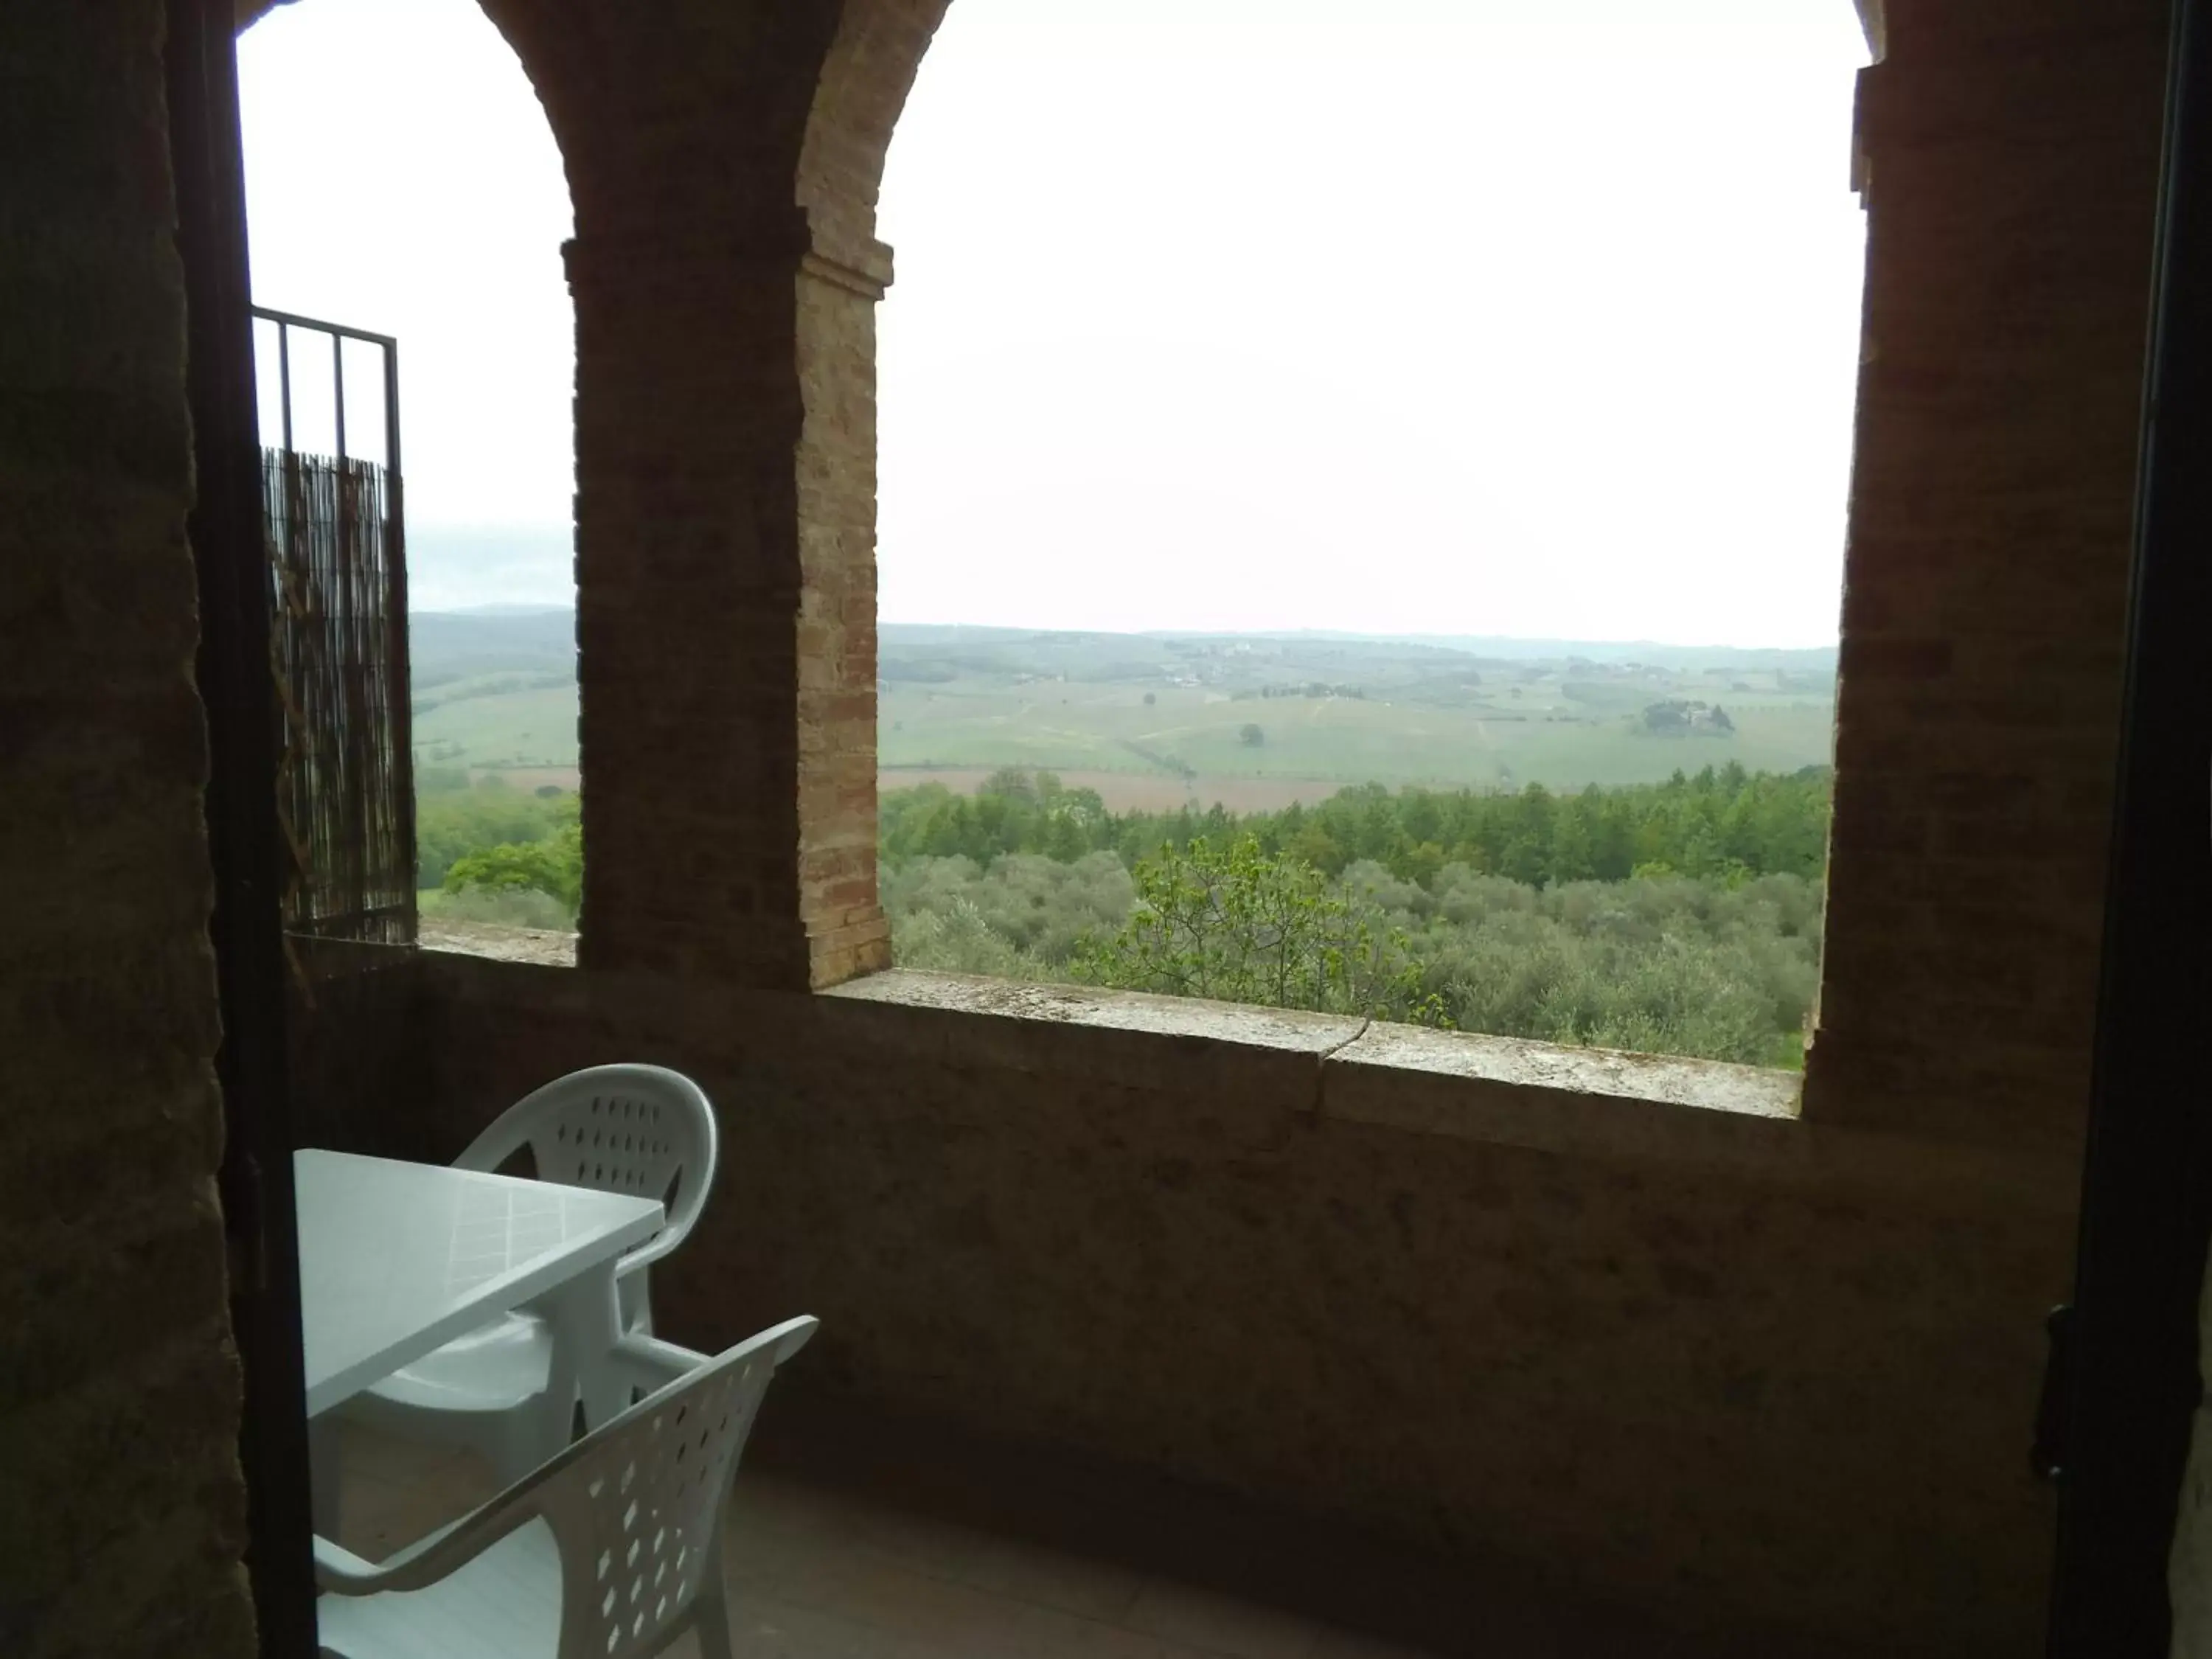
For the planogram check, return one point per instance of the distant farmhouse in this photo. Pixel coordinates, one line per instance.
(1679, 718)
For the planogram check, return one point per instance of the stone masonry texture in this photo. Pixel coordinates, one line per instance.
(122, 1508)
(1770, 1377)
(2011, 161)
(1787, 1395)
(1771, 1381)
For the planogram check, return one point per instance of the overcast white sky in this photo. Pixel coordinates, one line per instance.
(1454, 316)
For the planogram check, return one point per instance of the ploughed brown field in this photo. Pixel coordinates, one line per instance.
(1124, 792)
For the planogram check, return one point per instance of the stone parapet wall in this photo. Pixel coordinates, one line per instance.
(1764, 1377)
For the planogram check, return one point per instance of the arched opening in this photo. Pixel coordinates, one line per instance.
(402, 178)
(1015, 1211)
(1457, 400)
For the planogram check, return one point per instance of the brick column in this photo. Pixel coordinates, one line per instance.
(725, 536)
(122, 1508)
(2011, 188)
(840, 283)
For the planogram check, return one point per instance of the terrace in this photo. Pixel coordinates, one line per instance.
(1147, 1327)
(851, 1535)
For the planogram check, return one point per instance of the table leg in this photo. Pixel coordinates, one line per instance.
(585, 1322)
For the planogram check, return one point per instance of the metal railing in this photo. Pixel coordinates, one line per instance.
(337, 551)
(339, 334)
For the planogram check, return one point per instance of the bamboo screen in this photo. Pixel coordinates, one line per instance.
(338, 650)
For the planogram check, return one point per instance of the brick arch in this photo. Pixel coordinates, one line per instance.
(547, 56)
(725, 502)
(670, 115)
(1873, 19)
(725, 159)
(723, 505)
(865, 82)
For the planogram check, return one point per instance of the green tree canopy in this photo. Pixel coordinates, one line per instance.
(1227, 920)
(555, 866)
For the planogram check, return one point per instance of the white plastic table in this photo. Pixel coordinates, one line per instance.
(396, 1260)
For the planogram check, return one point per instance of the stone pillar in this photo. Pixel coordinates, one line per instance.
(2010, 163)
(122, 1507)
(839, 287)
(725, 598)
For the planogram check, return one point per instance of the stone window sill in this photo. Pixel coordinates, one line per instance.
(549, 947)
(1341, 1068)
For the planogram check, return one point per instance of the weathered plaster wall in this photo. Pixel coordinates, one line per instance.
(121, 1504)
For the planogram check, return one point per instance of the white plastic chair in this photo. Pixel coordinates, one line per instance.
(610, 1550)
(642, 1130)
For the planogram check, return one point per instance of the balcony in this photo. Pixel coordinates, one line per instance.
(1764, 1380)
(1416, 1335)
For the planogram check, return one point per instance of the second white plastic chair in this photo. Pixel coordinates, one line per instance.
(612, 1550)
(642, 1130)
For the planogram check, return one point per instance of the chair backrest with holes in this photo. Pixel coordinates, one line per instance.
(634, 1129)
(635, 1506)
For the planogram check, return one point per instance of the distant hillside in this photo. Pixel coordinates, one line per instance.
(451, 645)
(1256, 719)
(1814, 659)
(543, 637)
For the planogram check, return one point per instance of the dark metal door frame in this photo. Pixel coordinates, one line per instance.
(235, 685)
(2130, 1384)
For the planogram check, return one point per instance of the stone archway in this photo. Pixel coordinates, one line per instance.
(724, 502)
(724, 162)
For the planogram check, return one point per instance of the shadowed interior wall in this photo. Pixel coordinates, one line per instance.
(122, 1507)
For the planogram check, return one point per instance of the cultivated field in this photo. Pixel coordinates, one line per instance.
(1254, 722)
(509, 730)
(1136, 792)
(1187, 733)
